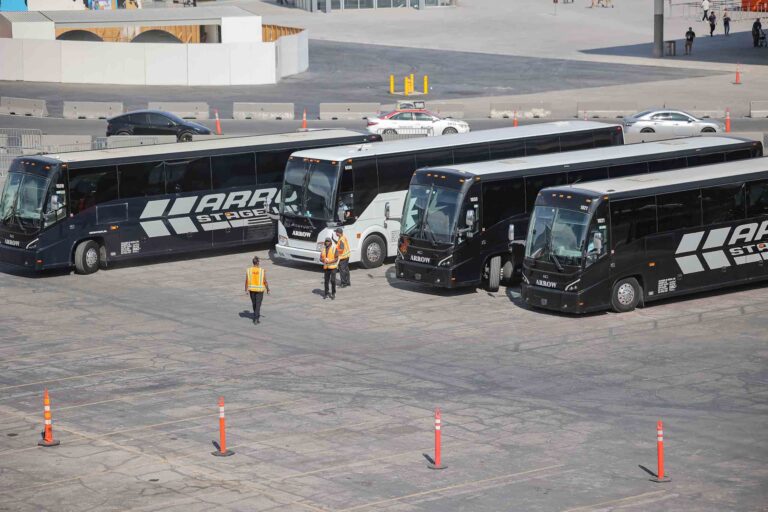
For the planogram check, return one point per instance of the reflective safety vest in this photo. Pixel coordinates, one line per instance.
(328, 257)
(255, 277)
(343, 246)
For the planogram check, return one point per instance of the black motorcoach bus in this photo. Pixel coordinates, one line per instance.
(465, 225)
(623, 242)
(87, 208)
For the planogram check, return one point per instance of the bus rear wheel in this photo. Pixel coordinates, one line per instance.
(87, 257)
(494, 274)
(373, 252)
(626, 295)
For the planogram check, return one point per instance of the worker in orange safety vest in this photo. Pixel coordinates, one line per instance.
(256, 284)
(342, 246)
(329, 257)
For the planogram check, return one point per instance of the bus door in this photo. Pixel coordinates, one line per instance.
(631, 220)
(185, 181)
(597, 257)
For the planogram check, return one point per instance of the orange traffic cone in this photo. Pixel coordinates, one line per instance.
(304, 120)
(514, 119)
(218, 123)
(48, 429)
(727, 120)
(738, 76)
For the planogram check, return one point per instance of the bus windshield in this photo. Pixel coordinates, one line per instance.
(430, 213)
(557, 235)
(21, 204)
(309, 188)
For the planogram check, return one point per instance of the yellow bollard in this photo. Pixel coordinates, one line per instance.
(391, 84)
(405, 85)
(426, 84)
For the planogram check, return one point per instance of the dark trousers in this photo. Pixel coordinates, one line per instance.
(755, 39)
(727, 28)
(705, 15)
(344, 272)
(330, 277)
(256, 298)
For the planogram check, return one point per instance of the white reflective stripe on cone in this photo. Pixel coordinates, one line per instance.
(47, 422)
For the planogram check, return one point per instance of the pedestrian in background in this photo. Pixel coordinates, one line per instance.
(329, 257)
(705, 8)
(342, 246)
(712, 23)
(689, 37)
(756, 28)
(256, 284)
(726, 23)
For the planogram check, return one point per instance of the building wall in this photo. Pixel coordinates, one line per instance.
(250, 63)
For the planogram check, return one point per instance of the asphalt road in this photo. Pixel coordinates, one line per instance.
(363, 75)
(330, 403)
(232, 127)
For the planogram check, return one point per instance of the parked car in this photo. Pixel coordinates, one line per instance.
(670, 122)
(415, 120)
(154, 122)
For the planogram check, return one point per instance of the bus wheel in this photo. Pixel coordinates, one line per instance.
(373, 252)
(87, 257)
(625, 295)
(494, 274)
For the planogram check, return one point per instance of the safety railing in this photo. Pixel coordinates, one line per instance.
(405, 133)
(737, 10)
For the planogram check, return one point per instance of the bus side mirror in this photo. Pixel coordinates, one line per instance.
(597, 242)
(470, 218)
(511, 233)
(386, 210)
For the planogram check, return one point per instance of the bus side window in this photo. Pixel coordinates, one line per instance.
(632, 219)
(56, 208)
(739, 154)
(501, 200)
(665, 165)
(366, 184)
(723, 203)
(474, 153)
(597, 237)
(89, 187)
(542, 145)
(346, 203)
(395, 172)
(142, 179)
(535, 183)
(712, 158)
(507, 149)
(679, 210)
(188, 175)
(757, 194)
(598, 173)
(619, 171)
(473, 205)
(270, 165)
(576, 140)
(434, 158)
(233, 170)
(606, 137)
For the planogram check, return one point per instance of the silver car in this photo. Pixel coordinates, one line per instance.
(670, 122)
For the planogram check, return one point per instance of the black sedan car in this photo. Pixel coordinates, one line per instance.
(154, 122)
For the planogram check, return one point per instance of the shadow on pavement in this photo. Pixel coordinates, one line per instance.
(732, 49)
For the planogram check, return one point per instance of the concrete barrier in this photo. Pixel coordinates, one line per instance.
(524, 110)
(705, 113)
(23, 107)
(758, 108)
(125, 141)
(185, 110)
(66, 143)
(91, 109)
(605, 110)
(263, 111)
(445, 109)
(348, 111)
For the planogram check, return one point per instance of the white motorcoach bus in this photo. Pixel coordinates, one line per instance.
(360, 187)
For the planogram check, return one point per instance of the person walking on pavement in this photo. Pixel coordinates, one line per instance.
(726, 23)
(756, 28)
(256, 284)
(689, 37)
(712, 23)
(705, 8)
(330, 259)
(342, 246)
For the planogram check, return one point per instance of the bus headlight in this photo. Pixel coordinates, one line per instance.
(525, 279)
(282, 240)
(446, 262)
(572, 286)
(320, 246)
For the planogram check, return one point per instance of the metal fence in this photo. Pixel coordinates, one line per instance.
(693, 11)
(405, 133)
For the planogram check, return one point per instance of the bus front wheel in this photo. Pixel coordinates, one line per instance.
(87, 257)
(494, 274)
(626, 295)
(373, 252)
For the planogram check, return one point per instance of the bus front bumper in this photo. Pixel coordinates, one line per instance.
(20, 257)
(424, 274)
(555, 300)
(297, 254)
